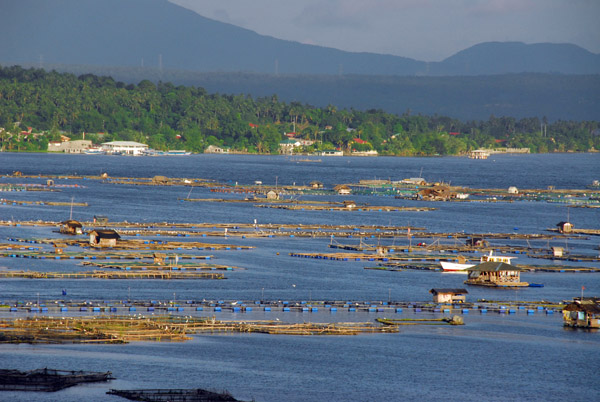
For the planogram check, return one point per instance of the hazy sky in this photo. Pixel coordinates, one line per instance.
(428, 30)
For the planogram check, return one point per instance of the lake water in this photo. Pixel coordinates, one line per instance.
(492, 357)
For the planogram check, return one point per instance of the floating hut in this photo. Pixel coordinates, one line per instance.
(104, 238)
(582, 314)
(316, 184)
(342, 189)
(71, 227)
(477, 242)
(272, 195)
(449, 295)
(495, 274)
(564, 227)
(436, 193)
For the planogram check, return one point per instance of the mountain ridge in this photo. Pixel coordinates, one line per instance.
(162, 34)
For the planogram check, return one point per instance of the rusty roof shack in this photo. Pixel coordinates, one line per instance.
(495, 274)
(436, 193)
(71, 227)
(449, 295)
(104, 238)
(582, 314)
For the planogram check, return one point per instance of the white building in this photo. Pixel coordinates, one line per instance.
(124, 147)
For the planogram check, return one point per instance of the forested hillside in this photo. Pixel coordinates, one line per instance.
(166, 116)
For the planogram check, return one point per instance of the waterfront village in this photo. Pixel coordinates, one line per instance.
(292, 144)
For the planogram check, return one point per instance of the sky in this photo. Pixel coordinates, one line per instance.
(427, 30)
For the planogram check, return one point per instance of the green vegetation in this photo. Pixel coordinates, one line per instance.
(165, 116)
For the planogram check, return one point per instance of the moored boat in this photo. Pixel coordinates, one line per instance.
(461, 266)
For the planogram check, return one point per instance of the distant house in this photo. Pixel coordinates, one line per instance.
(287, 146)
(449, 295)
(495, 274)
(316, 184)
(564, 227)
(332, 152)
(582, 313)
(104, 238)
(70, 147)
(213, 149)
(479, 154)
(124, 147)
(71, 227)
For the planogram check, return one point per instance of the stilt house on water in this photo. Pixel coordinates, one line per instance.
(495, 274)
(449, 295)
(582, 313)
(71, 227)
(104, 238)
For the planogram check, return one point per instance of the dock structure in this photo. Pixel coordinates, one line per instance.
(149, 274)
(36, 253)
(346, 208)
(196, 308)
(168, 266)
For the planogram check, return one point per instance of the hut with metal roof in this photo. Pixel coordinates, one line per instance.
(495, 274)
(104, 238)
(582, 314)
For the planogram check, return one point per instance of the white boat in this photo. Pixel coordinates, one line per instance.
(94, 151)
(461, 266)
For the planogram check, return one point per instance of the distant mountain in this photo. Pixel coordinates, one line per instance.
(156, 33)
(516, 57)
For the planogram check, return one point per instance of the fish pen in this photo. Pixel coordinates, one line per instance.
(173, 395)
(122, 329)
(47, 380)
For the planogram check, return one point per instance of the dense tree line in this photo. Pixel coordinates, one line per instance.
(166, 116)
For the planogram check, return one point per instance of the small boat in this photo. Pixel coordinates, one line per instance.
(94, 151)
(461, 266)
